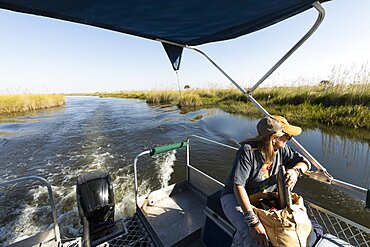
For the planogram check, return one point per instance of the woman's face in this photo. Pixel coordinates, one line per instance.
(280, 141)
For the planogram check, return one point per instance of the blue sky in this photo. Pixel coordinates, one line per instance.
(44, 55)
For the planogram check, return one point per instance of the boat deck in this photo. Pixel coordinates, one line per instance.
(176, 215)
(135, 235)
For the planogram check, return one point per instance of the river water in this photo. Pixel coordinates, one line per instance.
(90, 133)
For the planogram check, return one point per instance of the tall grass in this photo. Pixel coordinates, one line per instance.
(340, 105)
(29, 102)
(341, 100)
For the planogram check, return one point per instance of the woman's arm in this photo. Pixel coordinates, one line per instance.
(302, 167)
(258, 232)
(294, 173)
(297, 163)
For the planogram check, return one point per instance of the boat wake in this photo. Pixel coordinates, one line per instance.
(164, 165)
(23, 217)
(28, 216)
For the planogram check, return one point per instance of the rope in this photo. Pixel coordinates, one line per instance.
(178, 83)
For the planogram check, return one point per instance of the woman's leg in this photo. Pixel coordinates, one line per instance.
(234, 213)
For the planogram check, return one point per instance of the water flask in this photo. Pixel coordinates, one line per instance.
(285, 197)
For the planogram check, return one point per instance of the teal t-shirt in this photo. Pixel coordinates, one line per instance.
(250, 170)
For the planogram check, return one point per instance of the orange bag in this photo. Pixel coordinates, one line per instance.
(285, 227)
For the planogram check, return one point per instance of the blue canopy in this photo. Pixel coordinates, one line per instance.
(185, 22)
(189, 22)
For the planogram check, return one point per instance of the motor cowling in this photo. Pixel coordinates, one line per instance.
(95, 201)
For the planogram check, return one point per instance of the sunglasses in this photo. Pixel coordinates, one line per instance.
(287, 136)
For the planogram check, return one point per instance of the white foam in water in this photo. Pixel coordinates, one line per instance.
(124, 192)
(2, 233)
(65, 202)
(164, 163)
(98, 163)
(24, 226)
(69, 223)
(124, 184)
(30, 219)
(69, 220)
(27, 225)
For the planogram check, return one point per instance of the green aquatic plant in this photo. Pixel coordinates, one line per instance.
(196, 118)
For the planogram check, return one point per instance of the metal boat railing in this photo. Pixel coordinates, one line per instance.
(157, 150)
(151, 152)
(342, 228)
(51, 235)
(331, 223)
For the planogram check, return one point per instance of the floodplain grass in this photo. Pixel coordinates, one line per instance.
(332, 105)
(29, 102)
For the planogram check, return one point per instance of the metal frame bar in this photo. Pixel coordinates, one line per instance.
(225, 226)
(187, 160)
(322, 172)
(212, 141)
(135, 173)
(248, 93)
(51, 198)
(209, 59)
(349, 186)
(219, 68)
(319, 20)
(206, 175)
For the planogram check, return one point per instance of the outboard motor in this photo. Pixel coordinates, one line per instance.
(95, 201)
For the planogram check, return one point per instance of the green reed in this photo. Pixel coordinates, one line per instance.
(340, 105)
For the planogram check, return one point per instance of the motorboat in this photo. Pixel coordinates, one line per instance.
(186, 213)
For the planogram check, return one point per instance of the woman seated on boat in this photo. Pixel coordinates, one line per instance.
(254, 170)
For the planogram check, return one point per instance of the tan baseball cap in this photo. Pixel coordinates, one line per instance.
(269, 126)
(288, 128)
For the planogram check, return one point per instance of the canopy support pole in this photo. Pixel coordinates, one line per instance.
(325, 176)
(322, 174)
(315, 26)
(219, 68)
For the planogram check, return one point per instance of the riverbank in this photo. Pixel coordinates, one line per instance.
(342, 105)
(29, 102)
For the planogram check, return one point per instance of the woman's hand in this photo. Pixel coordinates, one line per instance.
(259, 234)
(291, 178)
